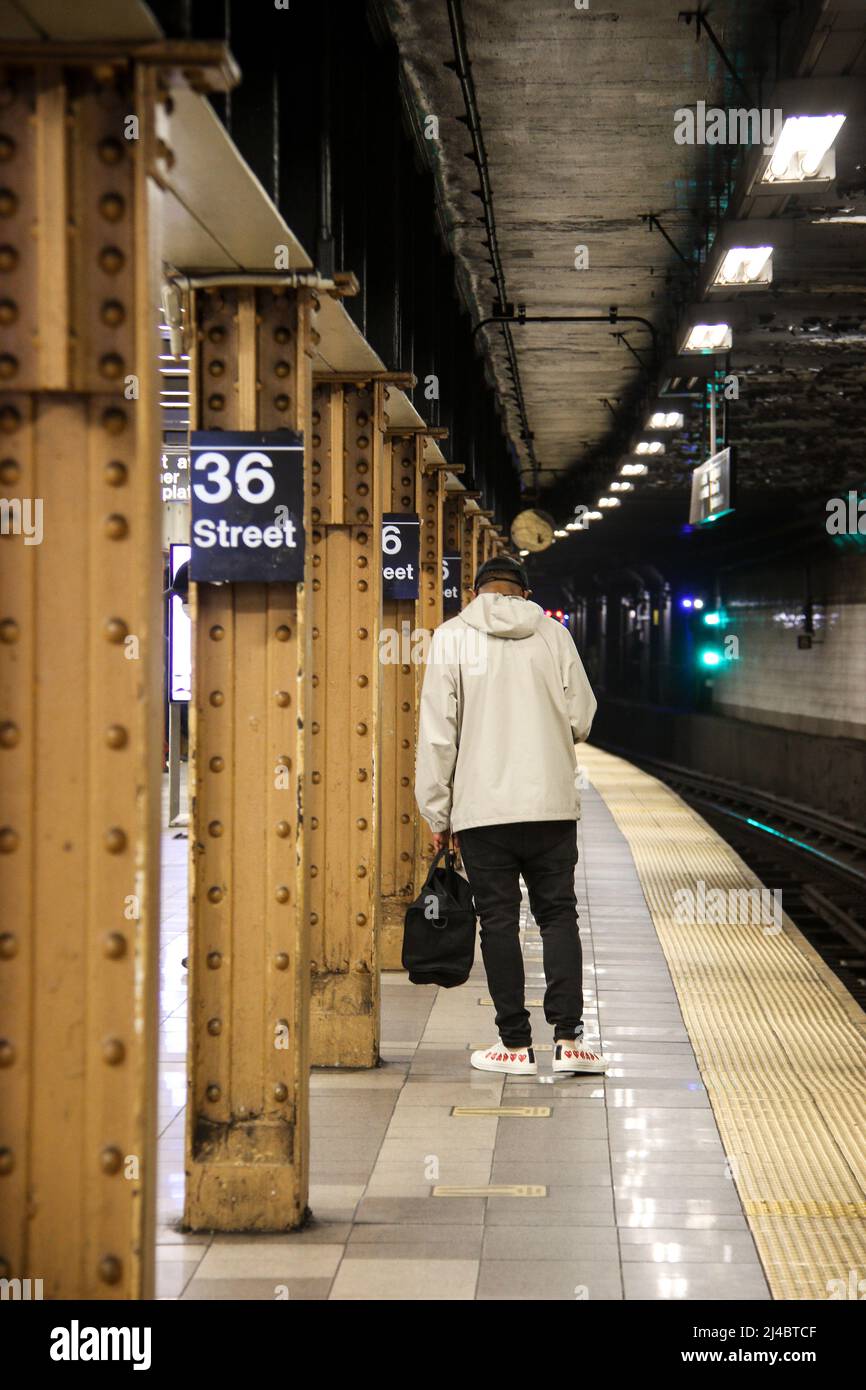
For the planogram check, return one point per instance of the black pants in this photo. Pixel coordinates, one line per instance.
(545, 853)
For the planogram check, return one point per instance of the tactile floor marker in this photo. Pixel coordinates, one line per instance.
(780, 1043)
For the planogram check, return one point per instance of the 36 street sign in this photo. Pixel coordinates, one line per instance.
(401, 544)
(247, 506)
(451, 577)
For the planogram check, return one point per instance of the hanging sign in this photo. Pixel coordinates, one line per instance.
(247, 506)
(401, 546)
(711, 489)
(452, 566)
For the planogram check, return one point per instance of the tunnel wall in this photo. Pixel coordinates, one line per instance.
(815, 770)
(819, 690)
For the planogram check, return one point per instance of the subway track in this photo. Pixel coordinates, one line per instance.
(818, 861)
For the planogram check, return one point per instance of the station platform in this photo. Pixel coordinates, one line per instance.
(721, 1157)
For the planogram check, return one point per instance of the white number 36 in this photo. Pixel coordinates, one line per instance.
(253, 481)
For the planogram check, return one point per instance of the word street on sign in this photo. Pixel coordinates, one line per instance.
(451, 577)
(401, 546)
(247, 506)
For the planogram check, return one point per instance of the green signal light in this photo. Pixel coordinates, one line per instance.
(712, 619)
(710, 657)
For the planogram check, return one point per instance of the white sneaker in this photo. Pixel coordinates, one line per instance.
(516, 1061)
(577, 1057)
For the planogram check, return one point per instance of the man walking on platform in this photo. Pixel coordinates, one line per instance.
(504, 701)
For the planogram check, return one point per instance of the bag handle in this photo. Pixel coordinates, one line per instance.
(451, 864)
(437, 856)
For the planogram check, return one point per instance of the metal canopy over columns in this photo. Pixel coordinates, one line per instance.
(80, 664)
(247, 1117)
(348, 451)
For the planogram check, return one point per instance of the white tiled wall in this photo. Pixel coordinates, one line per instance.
(820, 690)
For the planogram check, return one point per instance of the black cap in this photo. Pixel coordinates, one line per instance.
(502, 567)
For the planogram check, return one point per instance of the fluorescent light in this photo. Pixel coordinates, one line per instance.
(854, 217)
(609, 502)
(622, 487)
(560, 534)
(633, 470)
(592, 516)
(649, 446)
(746, 265)
(801, 149)
(709, 337)
(665, 420)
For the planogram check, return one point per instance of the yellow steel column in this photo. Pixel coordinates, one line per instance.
(478, 519)
(397, 728)
(485, 535)
(247, 1117)
(468, 549)
(451, 521)
(80, 677)
(348, 468)
(430, 490)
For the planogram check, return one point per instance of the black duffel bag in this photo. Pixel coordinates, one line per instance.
(439, 928)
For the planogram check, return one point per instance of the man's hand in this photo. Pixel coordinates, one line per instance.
(440, 841)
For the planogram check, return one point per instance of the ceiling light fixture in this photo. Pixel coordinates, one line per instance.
(633, 470)
(622, 487)
(665, 420)
(746, 265)
(803, 151)
(609, 502)
(649, 446)
(709, 337)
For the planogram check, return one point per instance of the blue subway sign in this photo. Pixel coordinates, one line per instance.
(401, 547)
(247, 506)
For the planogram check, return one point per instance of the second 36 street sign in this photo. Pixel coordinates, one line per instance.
(401, 544)
(247, 506)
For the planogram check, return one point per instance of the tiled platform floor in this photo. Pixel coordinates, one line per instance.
(639, 1203)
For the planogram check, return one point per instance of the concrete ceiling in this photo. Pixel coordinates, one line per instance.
(577, 113)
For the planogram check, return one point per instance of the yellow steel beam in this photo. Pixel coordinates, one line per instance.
(348, 480)
(247, 1120)
(80, 682)
(397, 736)
(430, 492)
(467, 549)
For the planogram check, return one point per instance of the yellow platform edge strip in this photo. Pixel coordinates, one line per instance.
(780, 1043)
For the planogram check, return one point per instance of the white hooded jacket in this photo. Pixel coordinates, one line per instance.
(505, 699)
